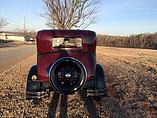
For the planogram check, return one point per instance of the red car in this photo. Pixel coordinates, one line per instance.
(66, 63)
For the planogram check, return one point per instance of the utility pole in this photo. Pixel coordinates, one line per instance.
(24, 26)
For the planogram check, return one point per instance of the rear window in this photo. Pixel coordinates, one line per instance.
(66, 42)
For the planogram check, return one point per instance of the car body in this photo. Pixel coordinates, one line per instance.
(66, 63)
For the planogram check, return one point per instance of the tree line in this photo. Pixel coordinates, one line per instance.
(144, 41)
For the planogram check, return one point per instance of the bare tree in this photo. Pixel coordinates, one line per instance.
(67, 14)
(3, 22)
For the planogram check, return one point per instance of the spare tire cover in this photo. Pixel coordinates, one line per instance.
(67, 75)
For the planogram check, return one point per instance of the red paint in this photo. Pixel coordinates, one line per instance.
(46, 55)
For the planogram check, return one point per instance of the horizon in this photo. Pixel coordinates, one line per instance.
(151, 33)
(116, 18)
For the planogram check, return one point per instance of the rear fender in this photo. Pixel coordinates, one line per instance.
(100, 83)
(33, 86)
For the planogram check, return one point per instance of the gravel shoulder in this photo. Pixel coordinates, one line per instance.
(131, 81)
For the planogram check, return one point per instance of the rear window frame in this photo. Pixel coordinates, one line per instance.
(79, 46)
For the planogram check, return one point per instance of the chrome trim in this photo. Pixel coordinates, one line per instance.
(36, 97)
(37, 93)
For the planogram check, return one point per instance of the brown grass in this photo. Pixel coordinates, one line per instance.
(131, 78)
(131, 81)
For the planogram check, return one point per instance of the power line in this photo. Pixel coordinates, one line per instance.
(11, 10)
(17, 14)
(14, 24)
(11, 21)
(13, 15)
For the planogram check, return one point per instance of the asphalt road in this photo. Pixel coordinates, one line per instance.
(9, 56)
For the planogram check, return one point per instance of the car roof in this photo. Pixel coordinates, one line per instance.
(87, 36)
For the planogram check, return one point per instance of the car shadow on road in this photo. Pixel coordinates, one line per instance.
(53, 106)
(63, 106)
(58, 106)
(90, 105)
(106, 107)
(58, 100)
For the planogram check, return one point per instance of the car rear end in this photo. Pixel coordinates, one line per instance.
(66, 62)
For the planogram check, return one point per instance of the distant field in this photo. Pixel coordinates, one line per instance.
(131, 77)
(131, 82)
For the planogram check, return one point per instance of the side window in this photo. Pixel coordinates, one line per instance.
(66, 42)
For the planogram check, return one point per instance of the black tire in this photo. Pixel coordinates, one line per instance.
(100, 83)
(67, 75)
(100, 77)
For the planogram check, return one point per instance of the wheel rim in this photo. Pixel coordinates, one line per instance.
(67, 75)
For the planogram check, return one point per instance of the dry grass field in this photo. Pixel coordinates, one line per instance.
(131, 77)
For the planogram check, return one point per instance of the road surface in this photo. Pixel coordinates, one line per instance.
(11, 55)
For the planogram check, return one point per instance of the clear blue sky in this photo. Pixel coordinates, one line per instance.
(117, 17)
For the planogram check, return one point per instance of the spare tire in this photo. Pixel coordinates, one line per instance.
(67, 75)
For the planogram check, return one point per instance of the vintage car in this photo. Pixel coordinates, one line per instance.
(66, 63)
